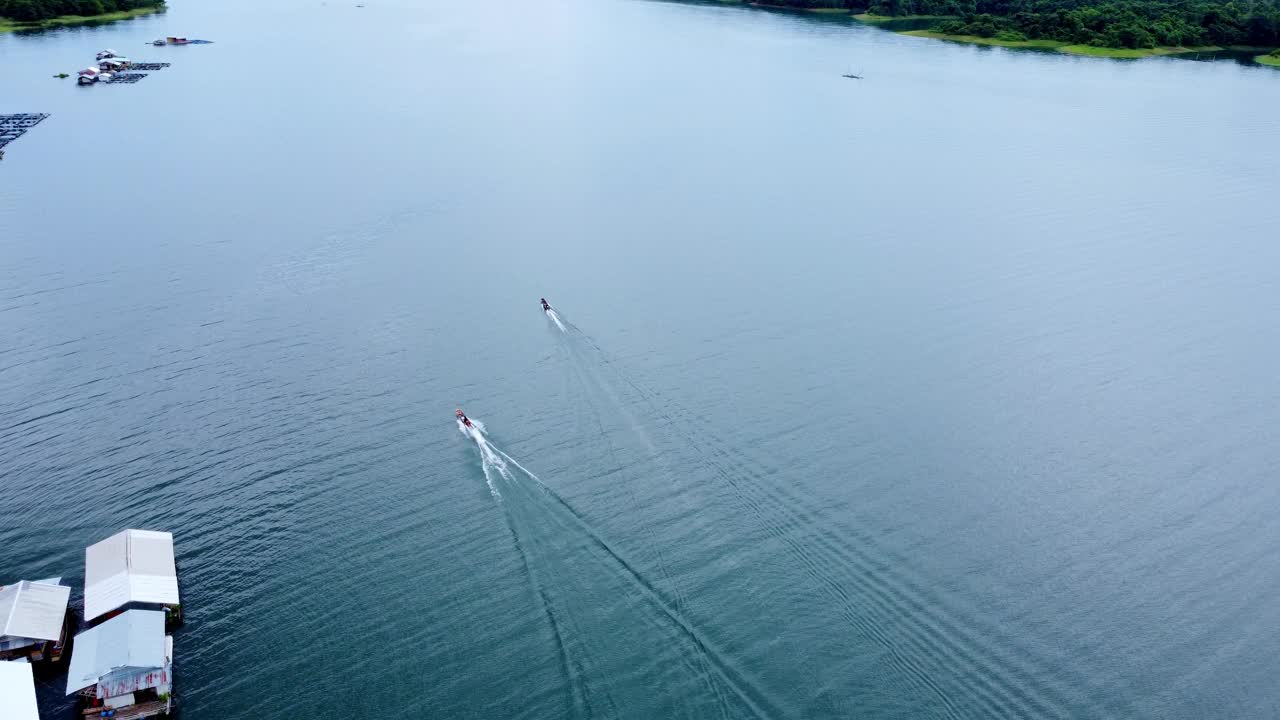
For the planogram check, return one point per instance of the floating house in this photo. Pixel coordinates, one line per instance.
(133, 569)
(108, 53)
(177, 41)
(115, 64)
(34, 620)
(88, 76)
(17, 692)
(125, 666)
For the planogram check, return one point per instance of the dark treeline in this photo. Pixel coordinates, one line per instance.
(1122, 23)
(32, 10)
(1103, 23)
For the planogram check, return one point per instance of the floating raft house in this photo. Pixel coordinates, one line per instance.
(125, 664)
(17, 692)
(131, 569)
(33, 620)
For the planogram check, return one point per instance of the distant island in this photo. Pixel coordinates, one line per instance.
(36, 14)
(1109, 28)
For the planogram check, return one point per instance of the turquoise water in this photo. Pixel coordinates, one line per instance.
(948, 393)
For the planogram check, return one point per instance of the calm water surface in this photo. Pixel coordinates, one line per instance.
(949, 393)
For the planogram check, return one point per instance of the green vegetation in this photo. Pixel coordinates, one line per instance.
(1001, 41)
(1128, 24)
(1136, 28)
(786, 5)
(1094, 51)
(1014, 41)
(885, 19)
(35, 14)
(1272, 59)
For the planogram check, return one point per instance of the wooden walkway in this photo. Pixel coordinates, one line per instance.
(131, 712)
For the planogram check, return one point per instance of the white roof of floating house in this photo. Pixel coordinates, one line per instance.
(17, 692)
(130, 566)
(131, 643)
(32, 611)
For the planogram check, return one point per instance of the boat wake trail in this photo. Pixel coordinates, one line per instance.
(969, 666)
(494, 465)
(732, 693)
(490, 462)
(555, 318)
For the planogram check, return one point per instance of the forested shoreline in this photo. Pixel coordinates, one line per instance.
(34, 11)
(1097, 23)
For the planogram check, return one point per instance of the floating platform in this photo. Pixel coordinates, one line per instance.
(148, 66)
(126, 78)
(12, 127)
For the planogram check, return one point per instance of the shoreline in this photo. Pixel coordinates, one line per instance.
(1127, 53)
(870, 19)
(911, 25)
(1064, 46)
(7, 25)
(976, 40)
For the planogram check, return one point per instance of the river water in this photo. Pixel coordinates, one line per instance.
(946, 393)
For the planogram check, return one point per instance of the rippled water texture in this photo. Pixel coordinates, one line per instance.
(947, 393)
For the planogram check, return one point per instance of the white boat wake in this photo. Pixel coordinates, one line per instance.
(494, 462)
(556, 319)
(491, 461)
(499, 467)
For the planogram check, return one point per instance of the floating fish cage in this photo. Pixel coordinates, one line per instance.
(126, 77)
(13, 126)
(148, 66)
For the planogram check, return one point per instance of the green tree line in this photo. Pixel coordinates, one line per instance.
(1104, 23)
(34, 10)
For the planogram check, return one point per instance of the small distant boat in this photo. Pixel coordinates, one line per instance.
(158, 42)
(851, 76)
